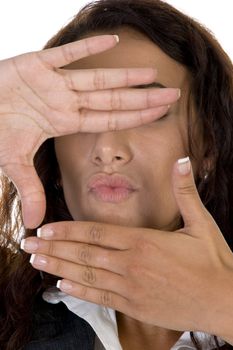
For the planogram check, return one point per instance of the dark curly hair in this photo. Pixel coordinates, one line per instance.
(211, 92)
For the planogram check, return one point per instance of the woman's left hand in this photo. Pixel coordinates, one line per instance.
(179, 280)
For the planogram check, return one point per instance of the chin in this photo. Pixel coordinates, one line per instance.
(112, 219)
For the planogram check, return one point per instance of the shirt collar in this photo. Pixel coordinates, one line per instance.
(103, 322)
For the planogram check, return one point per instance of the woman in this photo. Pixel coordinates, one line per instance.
(200, 125)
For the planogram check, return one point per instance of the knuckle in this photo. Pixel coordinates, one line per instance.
(115, 100)
(67, 53)
(82, 117)
(83, 253)
(141, 118)
(127, 80)
(134, 269)
(145, 246)
(75, 102)
(40, 58)
(96, 233)
(83, 290)
(112, 121)
(87, 46)
(51, 249)
(186, 189)
(67, 231)
(89, 276)
(83, 100)
(106, 298)
(59, 267)
(149, 99)
(78, 102)
(99, 80)
(142, 245)
(105, 257)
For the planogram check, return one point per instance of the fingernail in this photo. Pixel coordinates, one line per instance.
(45, 232)
(117, 38)
(64, 285)
(184, 165)
(27, 244)
(179, 92)
(38, 260)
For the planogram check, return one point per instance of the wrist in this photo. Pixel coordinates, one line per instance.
(221, 308)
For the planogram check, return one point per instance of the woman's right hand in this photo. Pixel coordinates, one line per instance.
(39, 100)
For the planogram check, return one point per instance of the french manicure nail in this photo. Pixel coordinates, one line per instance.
(38, 260)
(184, 165)
(117, 38)
(64, 285)
(29, 245)
(45, 232)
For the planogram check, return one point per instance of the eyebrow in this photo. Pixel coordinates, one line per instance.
(152, 85)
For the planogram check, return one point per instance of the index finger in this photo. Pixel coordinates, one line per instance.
(65, 54)
(104, 235)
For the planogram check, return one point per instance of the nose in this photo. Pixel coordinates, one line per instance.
(111, 149)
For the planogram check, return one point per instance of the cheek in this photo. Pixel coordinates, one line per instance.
(70, 157)
(158, 154)
(160, 146)
(72, 152)
(167, 148)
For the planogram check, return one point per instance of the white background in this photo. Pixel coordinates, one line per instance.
(26, 25)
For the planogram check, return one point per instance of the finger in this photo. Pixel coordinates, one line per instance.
(68, 53)
(85, 275)
(103, 235)
(94, 295)
(187, 197)
(101, 121)
(30, 190)
(79, 253)
(101, 79)
(128, 99)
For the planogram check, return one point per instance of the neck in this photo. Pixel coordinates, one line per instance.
(135, 335)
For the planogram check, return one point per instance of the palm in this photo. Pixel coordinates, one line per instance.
(31, 111)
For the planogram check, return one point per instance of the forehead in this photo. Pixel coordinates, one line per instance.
(136, 50)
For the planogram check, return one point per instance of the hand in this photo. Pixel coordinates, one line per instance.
(39, 100)
(169, 279)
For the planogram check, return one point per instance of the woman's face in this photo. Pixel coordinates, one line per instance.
(125, 177)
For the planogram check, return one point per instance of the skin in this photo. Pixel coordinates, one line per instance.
(101, 262)
(139, 148)
(37, 95)
(145, 154)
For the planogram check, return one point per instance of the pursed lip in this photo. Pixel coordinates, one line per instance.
(114, 181)
(112, 188)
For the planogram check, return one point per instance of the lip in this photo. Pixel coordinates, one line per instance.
(113, 188)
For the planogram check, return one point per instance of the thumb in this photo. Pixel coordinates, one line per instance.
(187, 197)
(30, 190)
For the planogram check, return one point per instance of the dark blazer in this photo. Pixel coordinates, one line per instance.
(54, 327)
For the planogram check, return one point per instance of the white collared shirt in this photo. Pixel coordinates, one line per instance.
(103, 322)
